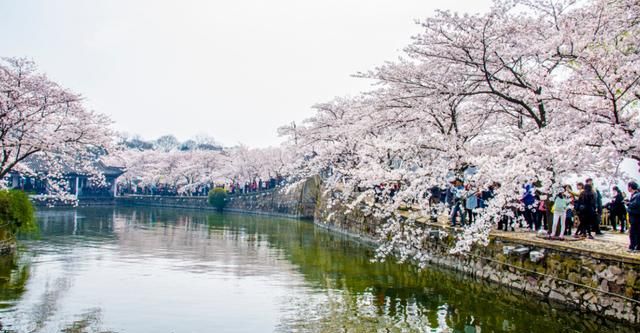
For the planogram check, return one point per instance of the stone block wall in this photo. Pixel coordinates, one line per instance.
(604, 285)
(159, 201)
(356, 222)
(83, 202)
(299, 201)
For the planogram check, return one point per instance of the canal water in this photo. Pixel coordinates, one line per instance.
(166, 270)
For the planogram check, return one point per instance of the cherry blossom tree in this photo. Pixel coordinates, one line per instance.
(39, 119)
(246, 164)
(532, 90)
(604, 82)
(185, 171)
(190, 170)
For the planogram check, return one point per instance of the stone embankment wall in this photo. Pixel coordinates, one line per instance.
(296, 202)
(159, 201)
(84, 202)
(604, 285)
(299, 201)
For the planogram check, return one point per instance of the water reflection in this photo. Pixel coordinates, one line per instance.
(14, 273)
(161, 270)
(89, 321)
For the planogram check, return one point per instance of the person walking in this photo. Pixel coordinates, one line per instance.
(586, 208)
(560, 205)
(617, 210)
(634, 217)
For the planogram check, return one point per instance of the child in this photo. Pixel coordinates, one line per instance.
(570, 197)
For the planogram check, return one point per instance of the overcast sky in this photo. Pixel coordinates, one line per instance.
(235, 70)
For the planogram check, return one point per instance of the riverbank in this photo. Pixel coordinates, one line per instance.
(589, 275)
(297, 202)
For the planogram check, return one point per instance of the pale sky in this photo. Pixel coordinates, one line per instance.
(235, 70)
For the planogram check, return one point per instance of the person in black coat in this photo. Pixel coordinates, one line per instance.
(634, 217)
(617, 210)
(586, 208)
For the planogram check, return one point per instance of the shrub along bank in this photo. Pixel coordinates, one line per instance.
(16, 217)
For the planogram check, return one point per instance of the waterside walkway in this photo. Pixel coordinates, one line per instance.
(611, 244)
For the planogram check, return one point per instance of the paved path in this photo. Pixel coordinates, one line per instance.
(611, 243)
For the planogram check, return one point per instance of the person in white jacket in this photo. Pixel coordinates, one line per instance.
(560, 205)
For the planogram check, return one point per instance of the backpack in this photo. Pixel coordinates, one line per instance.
(542, 206)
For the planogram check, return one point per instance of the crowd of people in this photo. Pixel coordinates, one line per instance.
(254, 186)
(463, 200)
(163, 190)
(233, 187)
(553, 215)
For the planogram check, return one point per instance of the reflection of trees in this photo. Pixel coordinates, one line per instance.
(14, 274)
(404, 295)
(48, 303)
(94, 224)
(342, 311)
(196, 242)
(13, 278)
(66, 229)
(89, 321)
